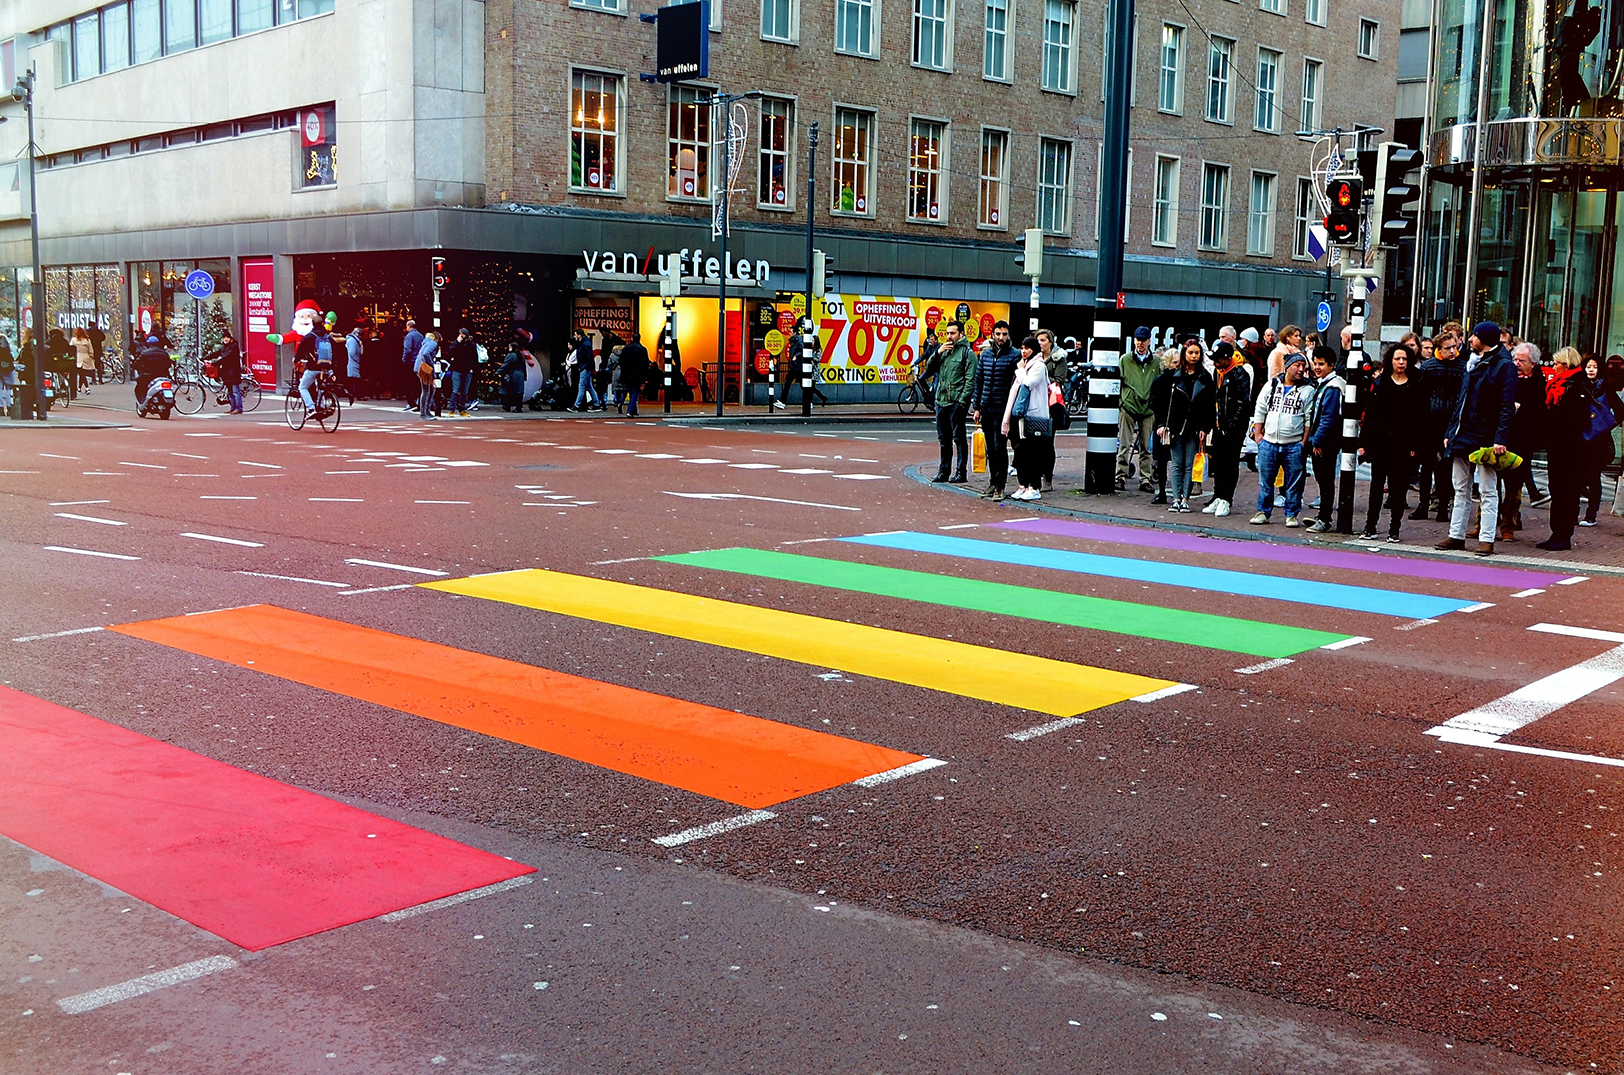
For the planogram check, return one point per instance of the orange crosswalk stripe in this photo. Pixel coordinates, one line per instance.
(728, 756)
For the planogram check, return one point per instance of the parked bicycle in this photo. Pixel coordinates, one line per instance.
(322, 392)
(192, 390)
(916, 393)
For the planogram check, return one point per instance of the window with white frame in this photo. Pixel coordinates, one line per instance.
(598, 5)
(1266, 116)
(1170, 86)
(1164, 227)
(1099, 191)
(1369, 38)
(1260, 216)
(1059, 22)
(1314, 12)
(1214, 206)
(1313, 76)
(995, 44)
(778, 20)
(927, 173)
(852, 190)
(1054, 186)
(855, 27)
(932, 34)
(595, 114)
(773, 158)
(1273, 7)
(994, 200)
(1306, 212)
(1220, 72)
(688, 144)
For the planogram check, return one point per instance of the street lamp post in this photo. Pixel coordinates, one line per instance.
(24, 92)
(724, 103)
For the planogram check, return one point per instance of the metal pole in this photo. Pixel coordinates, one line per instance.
(1104, 382)
(665, 346)
(1032, 322)
(1358, 289)
(809, 332)
(1469, 285)
(721, 281)
(36, 364)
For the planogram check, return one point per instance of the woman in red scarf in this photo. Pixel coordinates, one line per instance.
(1567, 413)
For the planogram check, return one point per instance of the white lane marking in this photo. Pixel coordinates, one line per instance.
(864, 477)
(251, 463)
(1346, 642)
(1574, 581)
(754, 466)
(1413, 624)
(920, 766)
(245, 476)
(379, 589)
(463, 463)
(148, 466)
(627, 560)
(1526, 593)
(216, 475)
(1165, 692)
(461, 897)
(806, 470)
(442, 501)
(1543, 752)
(715, 828)
(202, 434)
(349, 472)
(768, 499)
(295, 578)
(86, 473)
(1043, 729)
(183, 455)
(908, 440)
(1479, 607)
(885, 533)
(223, 540)
(205, 497)
(615, 451)
(703, 461)
(763, 451)
(1022, 519)
(336, 500)
(658, 455)
(959, 526)
(1538, 699)
(1266, 666)
(388, 454)
(90, 552)
(88, 519)
(59, 634)
(422, 459)
(75, 503)
(147, 983)
(48, 455)
(212, 611)
(399, 567)
(1577, 632)
(805, 541)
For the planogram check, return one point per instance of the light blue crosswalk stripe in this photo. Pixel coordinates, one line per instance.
(1409, 606)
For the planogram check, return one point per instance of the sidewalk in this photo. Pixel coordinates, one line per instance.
(1598, 549)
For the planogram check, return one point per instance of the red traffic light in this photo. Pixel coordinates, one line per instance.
(1344, 196)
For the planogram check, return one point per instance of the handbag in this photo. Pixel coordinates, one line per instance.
(1023, 401)
(1601, 419)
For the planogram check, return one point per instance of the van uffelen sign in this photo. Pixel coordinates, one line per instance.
(696, 265)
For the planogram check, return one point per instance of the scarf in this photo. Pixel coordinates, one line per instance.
(1558, 386)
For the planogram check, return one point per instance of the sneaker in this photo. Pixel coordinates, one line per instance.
(1121, 485)
(959, 479)
(1175, 506)
(1034, 495)
(1553, 545)
(1223, 508)
(1319, 526)
(997, 496)
(1292, 523)
(1449, 543)
(1587, 522)
(939, 479)
(1159, 498)
(1392, 539)
(1485, 548)
(1419, 515)
(1146, 487)
(1021, 494)
(987, 493)
(778, 405)
(1260, 519)
(1211, 508)
(1368, 535)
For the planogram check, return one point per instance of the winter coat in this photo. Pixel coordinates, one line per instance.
(84, 354)
(230, 358)
(409, 346)
(1189, 404)
(353, 347)
(464, 355)
(634, 365)
(1233, 410)
(1528, 423)
(513, 375)
(1395, 422)
(1137, 377)
(1488, 397)
(1443, 389)
(1325, 413)
(955, 378)
(994, 375)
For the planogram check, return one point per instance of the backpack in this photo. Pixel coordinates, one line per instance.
(324, 352)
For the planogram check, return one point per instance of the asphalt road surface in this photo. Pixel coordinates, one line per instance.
(592, 745)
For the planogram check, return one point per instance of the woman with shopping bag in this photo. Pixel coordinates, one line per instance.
(1026, 422)
(1184, 419)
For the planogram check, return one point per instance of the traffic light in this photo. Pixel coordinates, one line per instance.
(823, 267)
(1362, 161)
(1347, 197)
(437, 274)
(1030, 258)
(1398, 192)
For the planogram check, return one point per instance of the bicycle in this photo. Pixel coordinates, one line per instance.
(1077, 392)
(208, 381)
(326, 413)
(916, 393)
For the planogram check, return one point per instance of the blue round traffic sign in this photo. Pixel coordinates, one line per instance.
(1322, 316)
(199, 284)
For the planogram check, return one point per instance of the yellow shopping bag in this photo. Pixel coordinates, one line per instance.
(978, 452)
(1198, 472)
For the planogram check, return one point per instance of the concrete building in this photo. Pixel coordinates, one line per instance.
(324, 150)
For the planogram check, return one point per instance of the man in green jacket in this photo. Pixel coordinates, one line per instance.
(955, 382)
(1134, 414)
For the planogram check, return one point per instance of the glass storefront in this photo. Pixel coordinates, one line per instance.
(163, 308)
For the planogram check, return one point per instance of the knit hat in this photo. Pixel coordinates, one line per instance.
(1487, 331)
(1249, 334)
(1292, 359)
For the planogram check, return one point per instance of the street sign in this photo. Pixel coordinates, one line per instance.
(682, 42)
(1322, 317)
(199, 284)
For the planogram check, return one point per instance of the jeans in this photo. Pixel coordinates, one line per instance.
(1395, 473)
(1324, 465)
(1224, 456)
(1271, 459)
(1489, 481)
(425, 400)
(1126, 427)
(306, 380)
(460, 384)
(997, 449)
(585, 390)
(234, 393)
(5, 397)
(950, 434)
(631, 401)
(1181, 461)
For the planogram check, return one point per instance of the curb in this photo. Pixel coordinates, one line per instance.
(796, 419)
(1576, 567)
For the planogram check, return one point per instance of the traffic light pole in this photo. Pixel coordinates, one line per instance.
(1104, 381)
(809, 328)
(666, 343)
(1353, 374)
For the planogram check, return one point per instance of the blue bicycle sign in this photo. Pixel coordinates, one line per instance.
(199, 284)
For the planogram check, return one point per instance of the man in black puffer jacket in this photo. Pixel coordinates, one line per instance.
(1482, 420)
(995, 374)
(1442, 373)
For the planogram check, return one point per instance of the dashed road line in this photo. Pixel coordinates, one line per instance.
(206, 497)
(223, 540)
(398, 567)
(1266, 666)
(1346, 642)
(148, 466)
(251, 463)
(1574, 581)
(90, 552)
(442, 502)
(1413, 624)
(59, 634)
(147, 983)
(296, 578)
(1479, 607)
(88, 519)
(1044, 729)
(76, 503)
(337, 500)
(920, 766)
(715, 828)
(1165, 692)
(461, 897)
(1527, 593)
(1577, 632)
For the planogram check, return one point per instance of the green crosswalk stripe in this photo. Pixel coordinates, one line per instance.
(1026, 602)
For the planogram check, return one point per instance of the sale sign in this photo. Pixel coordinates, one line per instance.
(873, 339)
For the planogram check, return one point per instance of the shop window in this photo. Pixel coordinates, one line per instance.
(146, 31)
(932, 34)
(1059, 20)
(255, 15)
(115, 30)
(927, 145)
(993, 202)
(1164, 224)
(1054, 186)
(87, 46)
(851, 190)
(595, 103)
(854, 27)
(688, 143)
(995, 42)
(318, 148)
(1214, 206)
(774, 160)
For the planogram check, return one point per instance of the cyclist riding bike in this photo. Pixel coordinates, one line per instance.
(315, 356)
(151, 362)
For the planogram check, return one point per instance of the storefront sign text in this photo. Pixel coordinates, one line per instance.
(696, 267)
